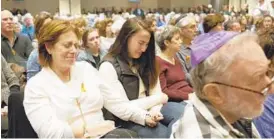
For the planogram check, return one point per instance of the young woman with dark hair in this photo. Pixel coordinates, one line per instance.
(130, 68)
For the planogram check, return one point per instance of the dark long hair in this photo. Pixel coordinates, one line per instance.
(146, 64)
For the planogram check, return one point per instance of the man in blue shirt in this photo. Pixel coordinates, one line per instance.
(28, 27)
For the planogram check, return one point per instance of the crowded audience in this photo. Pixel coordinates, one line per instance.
(139, 73)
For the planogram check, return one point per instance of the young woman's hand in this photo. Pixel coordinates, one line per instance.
(150, 121)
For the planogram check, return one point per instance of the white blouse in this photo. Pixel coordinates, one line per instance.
(140, 105)
(50, 104)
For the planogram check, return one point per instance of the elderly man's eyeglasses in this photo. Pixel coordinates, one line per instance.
(264, 91)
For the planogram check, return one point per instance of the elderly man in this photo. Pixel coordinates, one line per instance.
(28, 27)
(15, 48)
(189, 30)
(230, 87)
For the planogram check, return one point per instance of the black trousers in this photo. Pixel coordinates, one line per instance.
(19, 125)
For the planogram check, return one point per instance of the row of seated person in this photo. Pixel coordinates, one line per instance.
(57, 99)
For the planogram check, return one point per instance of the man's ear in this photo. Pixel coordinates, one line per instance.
(213, 94)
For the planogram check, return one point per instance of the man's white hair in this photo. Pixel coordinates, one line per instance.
(215, 67)
(27, 16)
(190, 18)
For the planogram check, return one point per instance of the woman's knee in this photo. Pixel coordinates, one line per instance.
(173, 109)
(121, 133)
(160, 131)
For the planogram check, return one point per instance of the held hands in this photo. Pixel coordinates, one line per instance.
(153, 117)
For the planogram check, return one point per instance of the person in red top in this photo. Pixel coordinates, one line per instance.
(172, 77)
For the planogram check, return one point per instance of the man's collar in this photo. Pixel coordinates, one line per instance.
(213, 116)
(16, 35)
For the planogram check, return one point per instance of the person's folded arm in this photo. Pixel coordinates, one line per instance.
(116, 100)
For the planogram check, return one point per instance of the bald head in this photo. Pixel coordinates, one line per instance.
(6, 21)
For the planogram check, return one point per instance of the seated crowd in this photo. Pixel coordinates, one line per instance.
(193, 76)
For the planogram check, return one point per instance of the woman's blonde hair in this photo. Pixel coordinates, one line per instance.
(49, 34)
(101, 26)
(80, 22)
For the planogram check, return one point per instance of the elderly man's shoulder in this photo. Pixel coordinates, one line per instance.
(22, 38)
(187, 126)
(193, 125)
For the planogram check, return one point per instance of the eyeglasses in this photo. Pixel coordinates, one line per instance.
(263, 93)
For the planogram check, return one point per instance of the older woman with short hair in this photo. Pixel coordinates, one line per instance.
(172, 78)
(65, 99)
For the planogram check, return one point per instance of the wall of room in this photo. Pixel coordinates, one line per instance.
(90, 4)
(188, 3)
(33, 6)
(164, 3)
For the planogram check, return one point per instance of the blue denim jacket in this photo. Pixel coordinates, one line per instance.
(33, 67)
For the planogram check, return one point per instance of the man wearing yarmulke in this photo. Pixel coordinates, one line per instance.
(230, 83)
